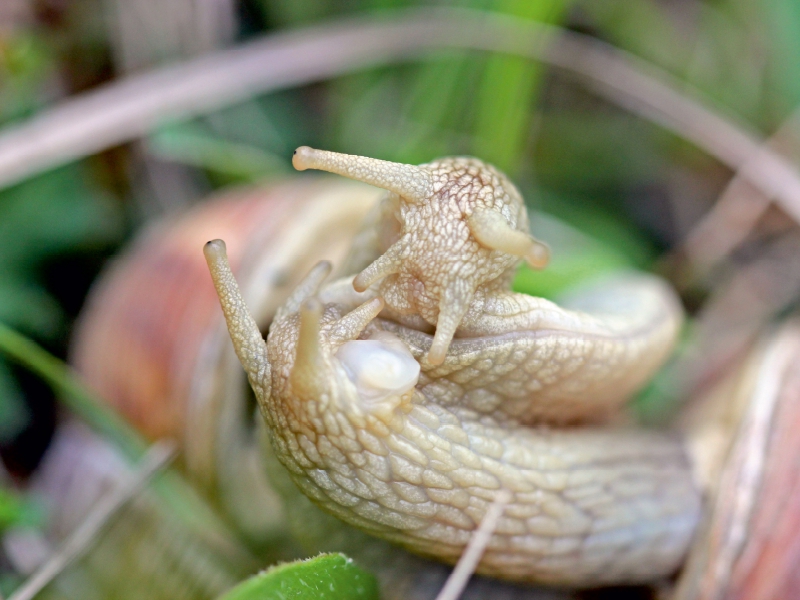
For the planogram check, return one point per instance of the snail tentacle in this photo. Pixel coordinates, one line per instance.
(308, 287)
(307, 372)
(350, 326)
(389, 263)
(247, 339)
(454, 304)
(494, 232)
(413, 184)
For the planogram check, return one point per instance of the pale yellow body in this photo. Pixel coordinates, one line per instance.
(403, 408)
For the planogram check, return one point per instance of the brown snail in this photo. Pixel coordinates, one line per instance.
(656, 474)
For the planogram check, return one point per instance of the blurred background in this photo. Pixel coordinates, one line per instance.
(621, 185)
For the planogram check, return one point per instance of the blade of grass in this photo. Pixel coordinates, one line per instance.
(80, 540)
(73, 393)
(176, 493)
(473, 552)
(508, 90)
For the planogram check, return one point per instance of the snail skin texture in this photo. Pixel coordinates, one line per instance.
(404, 399)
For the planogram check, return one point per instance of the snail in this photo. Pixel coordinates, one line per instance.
(153, 342)
(409, 435)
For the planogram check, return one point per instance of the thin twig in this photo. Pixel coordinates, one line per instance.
(80, 540)
(130, 108)
(466, 565)
(655, 95)
(737, 210)
(172, 487)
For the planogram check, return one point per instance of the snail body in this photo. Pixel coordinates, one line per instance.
(409, 433)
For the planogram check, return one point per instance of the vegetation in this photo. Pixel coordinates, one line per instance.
(611, 188)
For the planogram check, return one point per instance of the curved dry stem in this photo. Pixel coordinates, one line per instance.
(737, 210)
(128, 109)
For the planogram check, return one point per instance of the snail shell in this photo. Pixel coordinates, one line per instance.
(168, 365)
(743, 436)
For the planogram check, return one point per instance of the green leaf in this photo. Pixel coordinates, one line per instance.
(10, 508)
(181, 498)
(26, 64)
(325, 577)
(781, 19)
(29, 307)
(53, 213)
(24, 351)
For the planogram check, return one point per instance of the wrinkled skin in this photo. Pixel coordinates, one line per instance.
(403, 400)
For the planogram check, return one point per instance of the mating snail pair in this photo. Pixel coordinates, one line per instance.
(403, 400)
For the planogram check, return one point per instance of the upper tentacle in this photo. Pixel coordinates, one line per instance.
(414, 184)
(245, 334)
(491, 229)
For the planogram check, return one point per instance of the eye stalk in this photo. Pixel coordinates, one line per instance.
(464, 229)
(411, 183)
(245, 334)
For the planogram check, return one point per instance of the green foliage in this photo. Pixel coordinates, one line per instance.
(741, 54)
(14, 413)
(26, 65)
(244, 143)
(16, 511)
(451, 103)
(508, 90)
(325, 577)
(781, 23)
(577, 255)
(54, 214)
(24, 351)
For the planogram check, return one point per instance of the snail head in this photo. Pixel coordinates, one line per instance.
(326, 352)
(463, 231)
